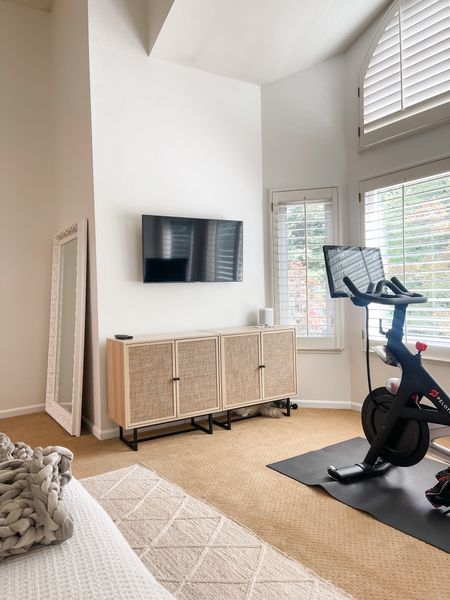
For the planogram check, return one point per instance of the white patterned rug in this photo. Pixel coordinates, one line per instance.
(195, 551)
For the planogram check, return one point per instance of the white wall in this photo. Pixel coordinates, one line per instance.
(304, 147)
(27, 210)
(167, 140)
(72, 165)
(384, 158)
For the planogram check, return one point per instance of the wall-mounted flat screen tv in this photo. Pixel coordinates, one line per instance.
(192, 250)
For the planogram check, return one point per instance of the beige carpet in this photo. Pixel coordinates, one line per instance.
(195, 551)
(355, 552)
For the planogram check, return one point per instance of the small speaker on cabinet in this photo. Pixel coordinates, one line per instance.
(265, 317)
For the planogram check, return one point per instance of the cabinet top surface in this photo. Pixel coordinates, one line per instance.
(158, 337)
(249, 329)
(161, 337)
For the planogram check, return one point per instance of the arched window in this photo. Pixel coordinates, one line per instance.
(405, 83)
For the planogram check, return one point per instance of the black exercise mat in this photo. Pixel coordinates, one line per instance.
(396, 498)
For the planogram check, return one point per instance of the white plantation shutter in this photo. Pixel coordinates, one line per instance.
(410, 223)
(382, 84)
(407, 78)
(303, 221)
(425, 50)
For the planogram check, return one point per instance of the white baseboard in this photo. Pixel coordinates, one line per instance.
(21, 410)
(105, 434)
(108, 434)
(324, 404)
(35, 408)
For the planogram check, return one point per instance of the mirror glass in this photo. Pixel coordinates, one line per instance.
(66, 324)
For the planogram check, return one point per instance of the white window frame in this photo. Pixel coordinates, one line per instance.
(401, 123)
(294, 196)
(435, 352)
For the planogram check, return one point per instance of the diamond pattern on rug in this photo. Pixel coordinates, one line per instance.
(193, 550)
(171, 564)
(112, 475)
(193, 509)
(155, 508)
(165, 489)
(235, 536)
(139, 534)
(188, 533)
(97, 488)
(277, 567)
(213, 591)
(172, 586)
(116, 508)
(131, 489)
(227, 565)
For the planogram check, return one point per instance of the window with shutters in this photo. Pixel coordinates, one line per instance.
(405, 83)
(302, 222)
(410, 222)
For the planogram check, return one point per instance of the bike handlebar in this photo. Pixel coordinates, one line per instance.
(375, 294)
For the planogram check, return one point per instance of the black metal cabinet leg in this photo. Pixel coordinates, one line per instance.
(289, 406)
(208, 429)
(131, 444)
(224, 424)
(134, 441)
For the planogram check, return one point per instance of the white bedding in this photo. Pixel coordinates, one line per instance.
(96, 563)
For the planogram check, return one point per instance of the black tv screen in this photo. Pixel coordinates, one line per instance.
(192, 250)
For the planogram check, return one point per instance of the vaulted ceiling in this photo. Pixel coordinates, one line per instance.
(260, 40)
(252, 40)
(39, 4)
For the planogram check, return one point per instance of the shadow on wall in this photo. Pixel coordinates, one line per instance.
(132, 230)
(135, 13)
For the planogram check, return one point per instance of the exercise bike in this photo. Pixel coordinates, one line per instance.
(394, 419)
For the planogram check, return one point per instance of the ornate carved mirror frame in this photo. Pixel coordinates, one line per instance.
(67, 324)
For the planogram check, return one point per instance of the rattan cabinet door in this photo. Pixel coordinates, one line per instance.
(241, 377)
(197, 368)
(278, 355)
(151, 386)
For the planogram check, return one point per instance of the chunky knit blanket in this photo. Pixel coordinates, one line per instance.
(31, 509)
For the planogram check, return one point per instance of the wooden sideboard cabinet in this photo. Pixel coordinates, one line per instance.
(258, 365)
(158, 379)
(167, 377)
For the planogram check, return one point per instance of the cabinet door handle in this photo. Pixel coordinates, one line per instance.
(176, 379)
(262, 366)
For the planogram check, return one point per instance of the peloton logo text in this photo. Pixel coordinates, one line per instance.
(436, 395)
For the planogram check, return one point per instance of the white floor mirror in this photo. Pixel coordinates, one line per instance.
(67, 324)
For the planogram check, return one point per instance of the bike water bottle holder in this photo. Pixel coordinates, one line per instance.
(387, 357)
